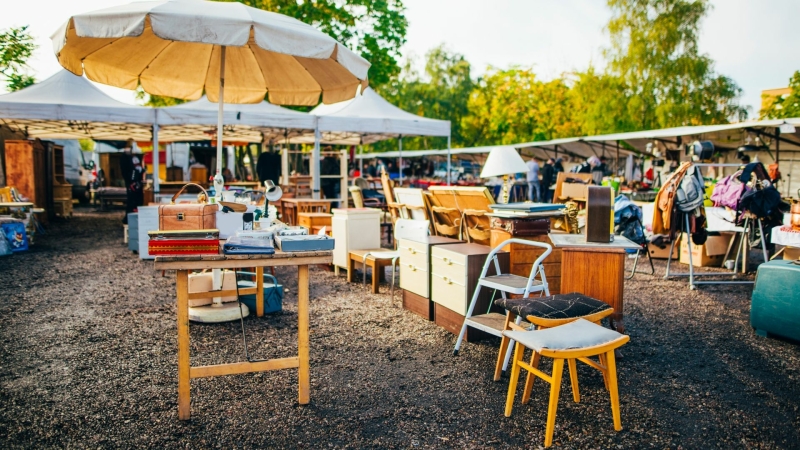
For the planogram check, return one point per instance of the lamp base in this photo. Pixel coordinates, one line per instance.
(504, 193)
(225, 312)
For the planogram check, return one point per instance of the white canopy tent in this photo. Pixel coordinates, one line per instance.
(66, 106)
(197, 121)
(367, 119)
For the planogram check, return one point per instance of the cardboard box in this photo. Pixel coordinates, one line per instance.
(710, 254)
(791, 253)
(575, 191)
(663, 253)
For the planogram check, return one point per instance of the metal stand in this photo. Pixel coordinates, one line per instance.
(741, 252)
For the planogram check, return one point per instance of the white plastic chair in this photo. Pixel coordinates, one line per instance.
(506, 283)
(403, 229)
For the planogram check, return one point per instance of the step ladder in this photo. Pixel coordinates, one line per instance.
(506, 283)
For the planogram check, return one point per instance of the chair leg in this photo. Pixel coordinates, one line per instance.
(364, 268)
(612, 385)
(555, 388)
(511, 343)
(573, 378)
(391, 291)
(504, 346)
(650, 258)
(526, 393)
(635, 262)
(604, 363)
(512, 385)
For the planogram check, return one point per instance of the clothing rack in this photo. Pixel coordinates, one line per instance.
(741, 252)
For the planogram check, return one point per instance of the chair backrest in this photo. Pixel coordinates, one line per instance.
(410, 229)
(358, 198)
(361, 183)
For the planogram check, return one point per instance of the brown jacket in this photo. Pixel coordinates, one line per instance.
(665, 200)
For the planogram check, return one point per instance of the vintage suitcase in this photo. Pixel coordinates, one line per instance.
(187, 216)
(775, 308)
(183, 242)
(522, 227)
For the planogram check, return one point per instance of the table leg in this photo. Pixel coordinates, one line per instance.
(351, 268)
(184, 409)
(376, 275)
(259, 291)
(302, 335)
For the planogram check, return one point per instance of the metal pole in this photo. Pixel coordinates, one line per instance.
(285, 159)
(616, 169)
(777, 145)
(448, 160)
(361, 159)
(400, 157)
(156, 162)
(219, 182)
(314, 165)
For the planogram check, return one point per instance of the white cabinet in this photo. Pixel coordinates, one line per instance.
(354, 229)
(148, 221)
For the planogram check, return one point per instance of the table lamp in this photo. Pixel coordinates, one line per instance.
(503, 161)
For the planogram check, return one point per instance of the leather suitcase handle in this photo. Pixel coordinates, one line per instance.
(175, 197)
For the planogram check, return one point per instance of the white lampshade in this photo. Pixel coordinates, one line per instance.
(503, 161)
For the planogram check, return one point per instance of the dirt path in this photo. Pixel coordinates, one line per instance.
(88, 359)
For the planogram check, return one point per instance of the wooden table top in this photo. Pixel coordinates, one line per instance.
(310, 200)
(564, 240)
(222, 261)
(16, 204)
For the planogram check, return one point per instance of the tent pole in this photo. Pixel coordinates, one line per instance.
(219, 182)
(314, 164)
(156, 162)
(777, 145)
(285, 159)
(400, 157)
(616, 169)
(448, 159)
(361, 160)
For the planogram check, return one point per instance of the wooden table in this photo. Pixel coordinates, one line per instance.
(314, 221)
(594, 269)
(356, 258)
(183, 264)
(290, 207)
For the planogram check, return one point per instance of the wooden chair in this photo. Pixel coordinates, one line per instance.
(446, 221)
(475, 227)
(578, 340)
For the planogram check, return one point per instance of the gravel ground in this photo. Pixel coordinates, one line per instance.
(88, 359)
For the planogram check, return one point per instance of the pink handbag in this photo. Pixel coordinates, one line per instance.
(728, 191)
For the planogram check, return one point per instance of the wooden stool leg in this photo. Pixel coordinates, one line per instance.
(376, 276)
(512, 385)
(612, 387)
(604, 363)
(498, 367)
(555, 388)
(526, 394)
(351, 269)
(573, 378)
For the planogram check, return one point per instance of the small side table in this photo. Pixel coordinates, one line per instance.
(314, 219)
(377, 265)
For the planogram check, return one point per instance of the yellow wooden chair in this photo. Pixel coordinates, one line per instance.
(577, 340)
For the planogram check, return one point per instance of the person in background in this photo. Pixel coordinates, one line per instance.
(745, 159)
(371, 170)
(268, 167)
(133, 175)
(558, 166)
(533, 180)
(548, 179)
(599, 171)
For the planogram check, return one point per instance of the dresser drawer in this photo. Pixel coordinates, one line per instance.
(414, 279)
(413, 246)
(441, 253)
(452, 271)
(412, 256)
(449, 293)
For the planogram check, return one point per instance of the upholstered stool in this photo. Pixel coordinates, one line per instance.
(548, 312)
(577, 340)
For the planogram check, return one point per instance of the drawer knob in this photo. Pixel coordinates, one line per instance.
(447, 261)
(447, 280)
(411, 266)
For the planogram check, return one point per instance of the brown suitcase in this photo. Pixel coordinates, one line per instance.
(522, 227)
(187, 216)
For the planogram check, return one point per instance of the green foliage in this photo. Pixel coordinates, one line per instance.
(441, 92)
(156, 101)
(16, 47)
(599, 103)
(512, 106)
(667, 81)
(785, 107)
(87, 145)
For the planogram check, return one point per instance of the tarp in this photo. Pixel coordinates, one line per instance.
(66, 106)
(197, 120)
(369, 118)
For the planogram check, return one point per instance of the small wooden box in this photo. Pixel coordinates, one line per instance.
(311, 220)
(418, 304)
(452, 322)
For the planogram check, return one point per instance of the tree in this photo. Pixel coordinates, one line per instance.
(784, 107)
(512, 106)
(654, 52)
(16, 47)
(440, 92)
(599, 103)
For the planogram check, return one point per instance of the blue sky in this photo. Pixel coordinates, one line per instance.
(751, 41)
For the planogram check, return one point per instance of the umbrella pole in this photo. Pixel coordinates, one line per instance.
(400, 157)
(156, 161)
(219, 182)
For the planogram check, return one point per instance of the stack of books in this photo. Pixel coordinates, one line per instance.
(527, 210)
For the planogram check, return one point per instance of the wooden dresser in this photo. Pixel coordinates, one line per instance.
(415, 274)
(455, 270)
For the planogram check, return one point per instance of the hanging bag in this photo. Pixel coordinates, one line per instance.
(728, 192)
(187, 216)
